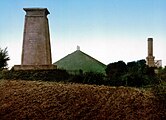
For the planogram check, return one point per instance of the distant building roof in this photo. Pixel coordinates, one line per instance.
(79, 60)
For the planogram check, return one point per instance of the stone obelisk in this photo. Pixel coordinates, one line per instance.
(36, 49)
(150, 57)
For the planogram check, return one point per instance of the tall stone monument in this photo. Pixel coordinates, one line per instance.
(36, 49)
(150, 57)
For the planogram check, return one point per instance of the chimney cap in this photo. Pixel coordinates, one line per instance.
(150, 39)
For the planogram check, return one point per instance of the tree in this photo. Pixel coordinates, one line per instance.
(115, 71)
(162, 74)
(135, 74)
(3, 58)
(115, 68)
(139, 74)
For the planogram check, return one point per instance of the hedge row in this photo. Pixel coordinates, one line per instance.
(45, 75)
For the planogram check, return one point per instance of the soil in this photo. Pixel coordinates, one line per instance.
(37, 100)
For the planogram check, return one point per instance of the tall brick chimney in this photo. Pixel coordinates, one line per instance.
(150, 57)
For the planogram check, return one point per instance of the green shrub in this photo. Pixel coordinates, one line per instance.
(88, 78)
(93, 78)
(133, 74)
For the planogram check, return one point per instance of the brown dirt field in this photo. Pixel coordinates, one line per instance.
(34, 100)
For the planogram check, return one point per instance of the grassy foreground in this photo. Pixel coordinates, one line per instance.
(49, 100)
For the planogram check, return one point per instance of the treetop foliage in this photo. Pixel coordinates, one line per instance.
(3, 58)
(135, 73)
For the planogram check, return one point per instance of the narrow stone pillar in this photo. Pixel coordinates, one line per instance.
(150, 46)
(150, 57)
(36, 49)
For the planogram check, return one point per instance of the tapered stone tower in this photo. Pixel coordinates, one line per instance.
(36, 49)
(150, 57)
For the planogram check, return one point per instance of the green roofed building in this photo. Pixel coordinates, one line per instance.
(80, 61)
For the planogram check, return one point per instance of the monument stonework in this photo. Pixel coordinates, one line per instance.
(36, 49)
(150, 57)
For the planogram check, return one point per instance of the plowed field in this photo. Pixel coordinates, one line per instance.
(34, 100)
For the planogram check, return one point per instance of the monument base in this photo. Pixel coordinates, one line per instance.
(34, 67)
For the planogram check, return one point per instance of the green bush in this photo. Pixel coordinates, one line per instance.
(88, 78)
(55, 75)
(93, 78)
(133, 74)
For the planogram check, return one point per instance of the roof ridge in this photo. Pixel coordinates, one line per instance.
(82, 53)
(92, 57)
(80, 60)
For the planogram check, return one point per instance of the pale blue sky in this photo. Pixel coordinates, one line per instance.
(108, 30)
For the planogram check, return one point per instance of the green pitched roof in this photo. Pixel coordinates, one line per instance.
(78, 60)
